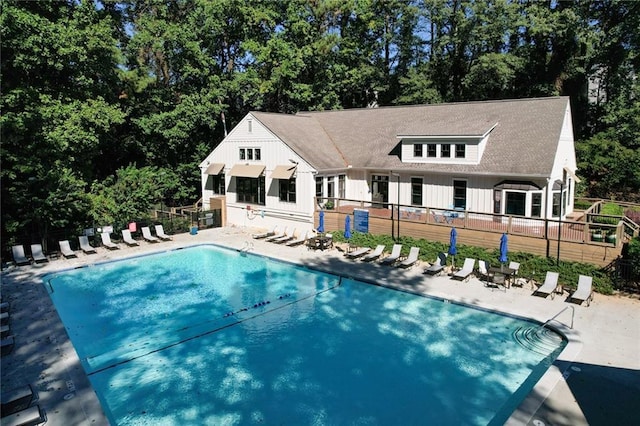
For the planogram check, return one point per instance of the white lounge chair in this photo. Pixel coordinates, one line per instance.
(106, 241)
(266, 234)
(438, 266)
(160, 233)
(299, 240)
(466, 271)
(583, 293)
(146, 234)
(376, 253)
(354, 254)
(18, 255)
(483, 269)
(65, 249)
(85, 246)
(550, 285)
(275, 236)
(37, 254)
(394, 256)
(288, 236)
(411, 259)
(515, 266)
(128, 239)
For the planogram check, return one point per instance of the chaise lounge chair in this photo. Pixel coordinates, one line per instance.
(146, 234)
(438, 266)
(466, 271)
(16, 400)
(288, 236)
(65, 249)
(584, 293)
(6, 346)
(411, 259)
(37, 254)
(106, 241)
(299, 240)
(19, 257)
(278, 235)
(160, 233)
(354, 254)
(85, 246)
(376, 253)
(128, 239)
(549, 287)
(29, 416)
(266, 234)
(394, 256)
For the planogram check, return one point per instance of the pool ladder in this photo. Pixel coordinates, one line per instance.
(573, 313)
(248, 245)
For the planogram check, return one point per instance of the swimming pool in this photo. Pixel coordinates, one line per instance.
(206, 335)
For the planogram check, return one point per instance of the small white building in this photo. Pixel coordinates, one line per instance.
(507, 157)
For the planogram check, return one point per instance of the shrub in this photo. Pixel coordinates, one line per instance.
(531, 266)
(612, 209)
(581, 205)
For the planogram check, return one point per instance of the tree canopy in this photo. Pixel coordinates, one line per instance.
(100, 97)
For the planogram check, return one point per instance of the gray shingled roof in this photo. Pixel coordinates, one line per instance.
(524, 142)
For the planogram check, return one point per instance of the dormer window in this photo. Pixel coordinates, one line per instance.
(460, 150)
(431, 150)
(445, 150)
(417, 150)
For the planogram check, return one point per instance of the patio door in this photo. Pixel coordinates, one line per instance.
(380, 190)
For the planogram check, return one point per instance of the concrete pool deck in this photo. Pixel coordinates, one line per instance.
(595, 381)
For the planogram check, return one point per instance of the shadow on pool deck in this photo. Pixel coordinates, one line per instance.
(605, 390)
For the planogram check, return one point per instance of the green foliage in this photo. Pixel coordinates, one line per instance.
(130, 195)
(531, 266)
(633, 254)
(581, 205)
(612, 209)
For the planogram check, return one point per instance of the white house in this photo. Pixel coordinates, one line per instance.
(509, 157)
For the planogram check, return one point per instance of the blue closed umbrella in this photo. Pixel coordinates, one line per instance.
(452, 244)
(347, 227)
(321, 221)
(503, 249)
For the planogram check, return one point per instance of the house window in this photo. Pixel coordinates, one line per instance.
(319, 191)
(445, 150)
(460, 150)
(380, 188)
(218, 184)
(341, 186)
(555, 209)
(288, 190)
(536, 204)
(249, 126)
(416, 191)
(249, 154)
(331, 187)
(516, 203)
(250, 190)
(431, 150)
(417, 150)
(460, 194)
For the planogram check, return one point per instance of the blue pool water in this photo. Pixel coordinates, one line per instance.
(211, 336)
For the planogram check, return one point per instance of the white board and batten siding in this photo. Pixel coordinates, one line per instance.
(251, 134)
